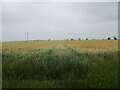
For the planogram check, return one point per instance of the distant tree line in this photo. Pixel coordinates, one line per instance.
(109, 38)
(72, 39)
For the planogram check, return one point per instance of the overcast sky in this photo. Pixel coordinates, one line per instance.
(59, 20)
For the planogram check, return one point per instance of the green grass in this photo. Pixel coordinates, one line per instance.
(60, 68)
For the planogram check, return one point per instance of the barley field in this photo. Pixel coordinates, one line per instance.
(60, 64)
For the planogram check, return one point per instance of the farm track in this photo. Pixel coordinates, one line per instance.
(63, 49)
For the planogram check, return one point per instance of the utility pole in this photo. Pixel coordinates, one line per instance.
(26, 36)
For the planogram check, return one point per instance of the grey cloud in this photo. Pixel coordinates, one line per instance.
(59, 20)
(0, 22)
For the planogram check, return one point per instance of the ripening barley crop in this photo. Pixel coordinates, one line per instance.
(60, 64)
